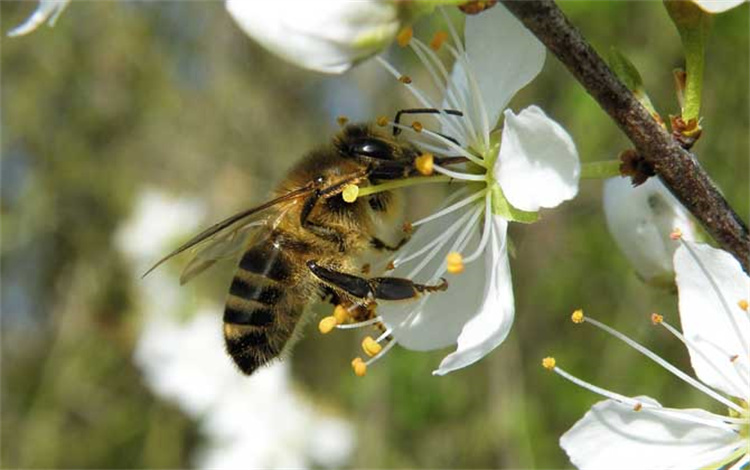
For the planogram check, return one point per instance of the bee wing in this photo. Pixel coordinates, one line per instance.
(227, 228)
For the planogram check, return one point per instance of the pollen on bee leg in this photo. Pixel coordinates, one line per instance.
(438, 39)
(404, 36)
(424, 164)
(327, 324)
(549, 363)
(370, 346)
(382, 121)
(359, 367)
(743, 304)
(455, 263)
(340, 314)
(656, 318)
(577, 316)
(676, 234)
(342, 120)
(350, 193)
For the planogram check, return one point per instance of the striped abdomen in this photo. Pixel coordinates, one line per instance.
(262, 310)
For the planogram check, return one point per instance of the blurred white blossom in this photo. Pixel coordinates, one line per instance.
(48, 10)
(248, 422)
(327, 36)
(639, 433)
(640, 220)
(718, 6)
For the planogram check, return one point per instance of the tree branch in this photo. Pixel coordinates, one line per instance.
(677, 168)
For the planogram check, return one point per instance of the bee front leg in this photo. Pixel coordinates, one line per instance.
(381, 288)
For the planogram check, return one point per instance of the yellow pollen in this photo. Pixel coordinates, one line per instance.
(404, 36)
(676, 234)
(577, 316)
(342, 120)
(327, 324)
(382, 121)
(359, 366)
(350, 193)
(424, 163)
(370, 346)
(656, 318)
(638, 407)
(438, 39)
(743, 304)
(340, 314)
(455, 262)
(549, 363)
(405, 79)
(417, 126)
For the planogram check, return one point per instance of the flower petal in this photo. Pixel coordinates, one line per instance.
(325, 36)
(48, 10)
(640, 220)
(538, 163)
(436, 320)
(614, 436)
(711, 319)
(717, 6)
(504, 57)
(491, 324)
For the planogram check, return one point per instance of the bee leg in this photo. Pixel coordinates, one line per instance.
(382, 288)
(320, 230)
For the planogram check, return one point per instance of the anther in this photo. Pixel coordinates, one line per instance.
(455, 262)
(438, 39)
(359, 366)
(743, 304)
(340, 314)
(734, 358)
(638, 407)
(676, 234)
(417, 126)
(424, 164)
(407, 227)
(390, 266)
(370, 346)
(405, 79)
(350, 193)
(327, 324)
(404, 36)
(656, 318)
(577, 316)
(382, 121)
(549, 363)
(342, 120)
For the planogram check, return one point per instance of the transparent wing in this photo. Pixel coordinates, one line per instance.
(230, 231)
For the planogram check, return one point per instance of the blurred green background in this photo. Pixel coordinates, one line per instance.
(125, 97)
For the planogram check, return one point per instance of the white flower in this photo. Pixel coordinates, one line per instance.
(48, 10)
(327, 36)
(638, 432)
(718, 6)
(640, 220)
(535, 166)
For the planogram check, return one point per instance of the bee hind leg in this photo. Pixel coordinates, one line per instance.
(381, 288)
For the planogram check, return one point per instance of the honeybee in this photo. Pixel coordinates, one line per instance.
(304, 244)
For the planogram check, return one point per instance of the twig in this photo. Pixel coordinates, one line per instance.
(677, 168)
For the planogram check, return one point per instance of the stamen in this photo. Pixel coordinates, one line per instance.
(350, 193)
(460, 176)
(351, 326)
(341, 314)
(485, 233)
(549, 363)
(382, 121)
(669, 367)
(439, 246)
(577, 316)
(638, 407)
(438, 39)
(656, 318)
(676, 234)
(404, 36)
(342, 120)
(405, 79)
(382, 352)
(448, 143)
(327, 324)
(442, 238)
(424, 164)
(454, 263)
(742, 304)
(413, 89)
(370, 346)
(378, 188)
(417, 126)
(451, 208)
(359, 367)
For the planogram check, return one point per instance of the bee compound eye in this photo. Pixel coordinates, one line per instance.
(319, 179)
(372, 148)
